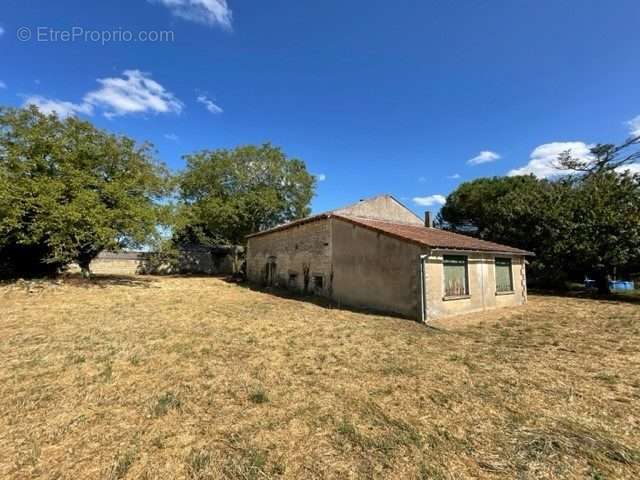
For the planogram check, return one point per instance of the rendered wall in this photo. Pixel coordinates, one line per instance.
(482, 286)
(381, 208)
(375, 271)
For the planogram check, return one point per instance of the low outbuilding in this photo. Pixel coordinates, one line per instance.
(378, 255)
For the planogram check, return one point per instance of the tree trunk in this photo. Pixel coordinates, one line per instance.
(85, 267)
(602, 282)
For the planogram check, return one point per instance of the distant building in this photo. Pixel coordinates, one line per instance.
(377, 254)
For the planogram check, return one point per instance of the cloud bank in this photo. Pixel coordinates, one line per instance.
(485, 156)
(430, 201)
(208, 12)
(134, 93)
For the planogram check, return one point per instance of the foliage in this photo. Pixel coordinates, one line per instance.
(520, 211)
(228, 194)
(586, 224)
(604, 158)
(69, 190)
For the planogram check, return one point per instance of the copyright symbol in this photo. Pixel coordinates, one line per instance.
(24, 34)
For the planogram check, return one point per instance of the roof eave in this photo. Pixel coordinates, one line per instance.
(286, 226)
(522, 253)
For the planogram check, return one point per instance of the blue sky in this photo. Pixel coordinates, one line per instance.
(404, 97)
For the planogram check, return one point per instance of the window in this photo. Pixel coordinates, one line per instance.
(318, 282)
(293, 280)
(504, 277)
(456, 278)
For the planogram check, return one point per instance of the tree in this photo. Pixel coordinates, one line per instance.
(228, 194)
(522, 211)
(605, 224)
(604, 158)
(69, 190)
(581, 224)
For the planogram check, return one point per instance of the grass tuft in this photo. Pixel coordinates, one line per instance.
(258, 396)
(122, 464)
(197, 464)
(164, 403)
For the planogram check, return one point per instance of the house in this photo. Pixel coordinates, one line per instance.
(377, 254)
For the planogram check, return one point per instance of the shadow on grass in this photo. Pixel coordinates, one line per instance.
(320, 301)
(107, 280)
(617, 297)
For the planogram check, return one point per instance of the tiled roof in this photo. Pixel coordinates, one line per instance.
(432, 237)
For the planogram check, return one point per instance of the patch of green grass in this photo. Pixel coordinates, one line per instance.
(394, 433)
(397, 370)
(164, 403)
(106, 374)
(249, 463)
(158, 442)
(76, 359)
(258, 396)
(134, 359)
(430, 472)
(197, 464)
(122, 464)
(610, 378)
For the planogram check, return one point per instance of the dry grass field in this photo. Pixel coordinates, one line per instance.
(195, 378)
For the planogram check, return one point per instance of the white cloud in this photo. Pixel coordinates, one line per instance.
(1, 31)
(634, 126)
(59, 107)
(209, 12)
(136, 93)
(212, 107)
(321, 177)
(455, 176)
(544, 157)
(633, 168)
(2, 84)
(485, 156)
(430, 201)
(171, 136)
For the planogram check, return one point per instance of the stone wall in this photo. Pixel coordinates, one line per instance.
(298, 258)
(196, 260)
(110, 266)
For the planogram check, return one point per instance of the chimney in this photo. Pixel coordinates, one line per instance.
(427, 219)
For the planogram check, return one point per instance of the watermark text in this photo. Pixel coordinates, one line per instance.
(77, 34)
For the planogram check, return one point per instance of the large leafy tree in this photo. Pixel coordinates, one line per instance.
(605, 224)
(228, 194)
(69, 190)
(521, 211)
(606, 213)
(586, 223)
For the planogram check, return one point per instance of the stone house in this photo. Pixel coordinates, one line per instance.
(378, 255)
